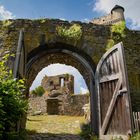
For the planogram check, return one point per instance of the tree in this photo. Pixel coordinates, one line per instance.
(38, 91)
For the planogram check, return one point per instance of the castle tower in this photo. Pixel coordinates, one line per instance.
(116, 15)
(118, 12)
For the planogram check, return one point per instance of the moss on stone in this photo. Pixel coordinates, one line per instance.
(6, 23)
(73, 32)
(110, 44)
(118, 31)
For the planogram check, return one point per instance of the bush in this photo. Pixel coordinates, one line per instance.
(12, 102)
(136, 137)
(39, 91)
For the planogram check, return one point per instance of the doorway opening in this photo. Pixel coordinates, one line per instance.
(65, 99)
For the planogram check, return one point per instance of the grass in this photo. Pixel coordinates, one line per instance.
(54, 124)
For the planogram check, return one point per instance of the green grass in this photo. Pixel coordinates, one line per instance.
(54, 124)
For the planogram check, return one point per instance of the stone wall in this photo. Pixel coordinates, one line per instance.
(37, 103)
(93, 42)
(75, 103)
(72, 105)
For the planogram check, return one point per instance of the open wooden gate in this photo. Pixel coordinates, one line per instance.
(113, 95)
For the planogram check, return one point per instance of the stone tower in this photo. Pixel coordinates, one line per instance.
(118, 12)
(116, 15)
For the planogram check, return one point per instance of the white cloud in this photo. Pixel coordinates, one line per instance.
(62, 19)
(84, 90)
(5, 14)
(57, 69)
(132, 10)
(86, 20)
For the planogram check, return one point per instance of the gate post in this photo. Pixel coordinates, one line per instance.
(93, 105)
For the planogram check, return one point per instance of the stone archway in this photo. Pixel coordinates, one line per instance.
(64, 54)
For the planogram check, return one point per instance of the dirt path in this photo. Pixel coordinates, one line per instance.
(54, 127)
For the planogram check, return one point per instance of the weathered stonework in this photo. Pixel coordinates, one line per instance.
(70, 105)
(59, 98)
(41, 39)
(63, 83)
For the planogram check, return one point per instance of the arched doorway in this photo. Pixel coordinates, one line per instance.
(65, 54)
(110, 74)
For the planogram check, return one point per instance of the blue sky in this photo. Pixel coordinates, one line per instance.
(83, 10)
(67, 9)
(79, 10)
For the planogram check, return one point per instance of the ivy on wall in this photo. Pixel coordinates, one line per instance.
(6, 23)
(73, 32)
(118, 33)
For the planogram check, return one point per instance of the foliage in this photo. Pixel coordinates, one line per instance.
(38, 91)
(86, 131)
(136, 137)
(118, 33)
(6, 23)
(118, 30)
(73, 32)
(110, 44)
(42, 20)
(12, 103)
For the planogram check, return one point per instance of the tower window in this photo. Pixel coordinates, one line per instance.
(62, 82)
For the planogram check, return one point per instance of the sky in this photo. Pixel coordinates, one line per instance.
(78, 10)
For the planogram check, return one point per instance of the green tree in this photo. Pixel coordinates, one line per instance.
(38, 91)
(12, 102)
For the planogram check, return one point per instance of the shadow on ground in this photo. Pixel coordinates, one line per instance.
(51, 136)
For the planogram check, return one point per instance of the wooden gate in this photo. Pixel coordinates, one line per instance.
(113, 95)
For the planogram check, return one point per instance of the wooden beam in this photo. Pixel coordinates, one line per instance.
(108, 78)
(111, 106)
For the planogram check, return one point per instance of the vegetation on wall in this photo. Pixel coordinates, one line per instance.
(6, 23)
(12, 103)
(117, 34)
(38, 91)
(73, 32)
(118, 30)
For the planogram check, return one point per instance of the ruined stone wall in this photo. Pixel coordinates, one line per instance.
(93, 42)
(72, 105)
(63, 83)
(37, 103)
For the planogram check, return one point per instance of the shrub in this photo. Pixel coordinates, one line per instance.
(12, 102)
(38, 91)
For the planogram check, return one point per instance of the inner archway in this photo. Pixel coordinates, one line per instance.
(79, 84)
(65, 54)
(71, 103)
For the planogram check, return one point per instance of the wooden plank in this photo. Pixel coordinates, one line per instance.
(136, 120)
(111, 106)
(108, 78)
(125, 84)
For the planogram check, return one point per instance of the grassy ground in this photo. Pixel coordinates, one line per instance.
(54, 124)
